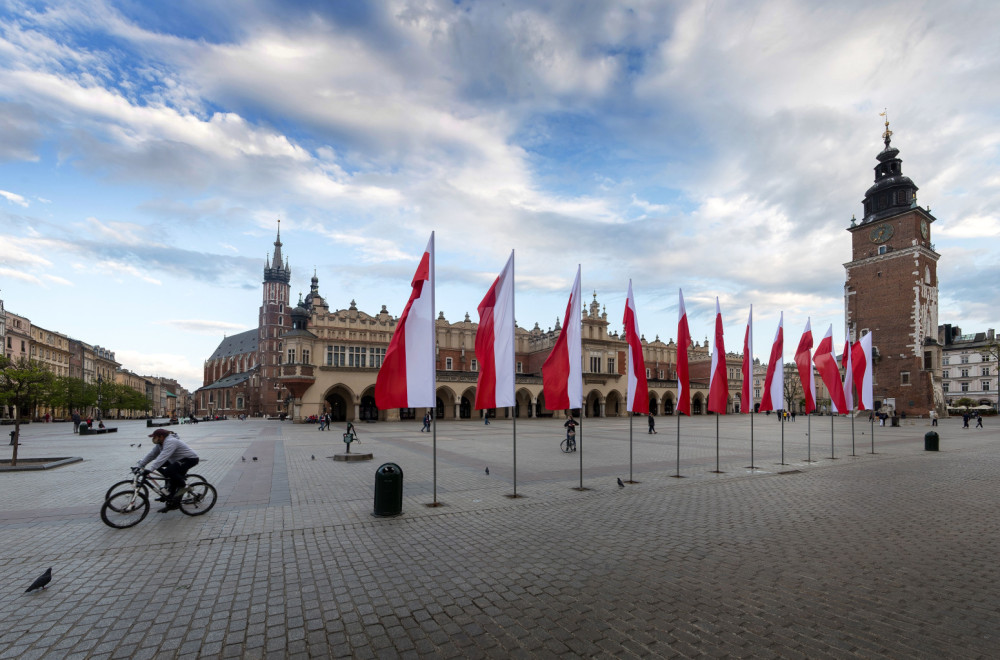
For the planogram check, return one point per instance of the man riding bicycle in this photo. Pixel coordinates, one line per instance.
(173, 459)
(571, 425)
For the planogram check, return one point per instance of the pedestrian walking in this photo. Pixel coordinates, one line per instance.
(652, 423)
(979, 421)
(427, 423)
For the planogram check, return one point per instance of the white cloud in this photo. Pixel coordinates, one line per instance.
(14, 198)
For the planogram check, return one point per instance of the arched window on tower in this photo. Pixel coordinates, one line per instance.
(927, 274)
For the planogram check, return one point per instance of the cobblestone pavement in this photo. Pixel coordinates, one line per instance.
(891, 554)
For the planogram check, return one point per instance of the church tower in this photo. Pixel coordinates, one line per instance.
(892, 289)
(274, 321)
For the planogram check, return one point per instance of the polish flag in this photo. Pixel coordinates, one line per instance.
(406, 378)
(718, 383)
(804, 364)
(638, 387)
(495, 342)
(746, 394)
(845, 362)
(683, 341)
(774, 379)
(861, 364)
(562, 373)
(826, 363)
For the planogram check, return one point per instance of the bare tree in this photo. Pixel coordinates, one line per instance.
(793, 387)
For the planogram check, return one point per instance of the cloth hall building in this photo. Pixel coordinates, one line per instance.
(306, 359)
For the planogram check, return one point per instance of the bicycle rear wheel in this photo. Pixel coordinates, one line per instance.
(126, 508)
(198, 498)
(564, 445)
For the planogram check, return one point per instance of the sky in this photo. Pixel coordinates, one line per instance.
(148, 150)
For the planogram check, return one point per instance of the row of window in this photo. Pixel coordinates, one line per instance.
(354, 356)
(965, 386)
(984, 371)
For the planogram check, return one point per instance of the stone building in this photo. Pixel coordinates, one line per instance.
(969, 367)
(308, 360)
(891, 289)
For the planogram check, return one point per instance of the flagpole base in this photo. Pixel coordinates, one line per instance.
(434, 504)
(630, 481)
(678, 476)
(718, 472)
(580, 488)
(753, 467)
(514, 496)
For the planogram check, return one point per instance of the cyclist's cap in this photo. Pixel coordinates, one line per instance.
(159, 432)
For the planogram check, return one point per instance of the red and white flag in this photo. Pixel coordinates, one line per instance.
(826, 363)
(718, 382)
(746, 394)
(774, 379)
(406, 378)
(845, 362)
(562, 373)
(495, 343)
(804, 363)
(638, 387)
(861, 364)
(683, 377)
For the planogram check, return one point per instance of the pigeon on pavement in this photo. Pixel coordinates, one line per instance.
(621, 484)
(255, 458)
(487, 469)
(314, 457)
(41, 581)
(244, 459)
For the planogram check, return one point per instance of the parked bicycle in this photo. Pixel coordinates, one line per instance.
(130, 506)
(569, 444)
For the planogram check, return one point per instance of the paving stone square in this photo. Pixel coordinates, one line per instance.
(824, 555)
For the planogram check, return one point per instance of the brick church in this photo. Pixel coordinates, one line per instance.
(892, 289)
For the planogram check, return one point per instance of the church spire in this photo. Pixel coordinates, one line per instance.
(274, 269)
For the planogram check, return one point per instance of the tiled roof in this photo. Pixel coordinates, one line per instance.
(244, 342)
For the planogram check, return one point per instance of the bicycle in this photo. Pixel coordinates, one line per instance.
(129, 507)
(569, 444)
(155, 482)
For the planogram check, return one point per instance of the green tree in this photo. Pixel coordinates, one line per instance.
(23, 384)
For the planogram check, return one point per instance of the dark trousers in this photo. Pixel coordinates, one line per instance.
(176, 471)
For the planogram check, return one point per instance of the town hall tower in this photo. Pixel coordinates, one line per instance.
(892, 289)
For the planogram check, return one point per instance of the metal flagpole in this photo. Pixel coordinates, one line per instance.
(434, 454)
(514, 421)
(809, 438)
(717, 470)
(832, 455)
(853, 452)
(579, 442)
(782, 417)
(678, 413)
(752, 465)
(873, 431)
(630, 447)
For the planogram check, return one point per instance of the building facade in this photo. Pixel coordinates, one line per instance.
(891, 289)
(969, 368)
(307, 360)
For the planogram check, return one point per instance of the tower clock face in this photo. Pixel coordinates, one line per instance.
(881, 234)
(925, 230)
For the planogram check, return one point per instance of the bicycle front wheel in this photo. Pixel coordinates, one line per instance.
(198, 498)
(125, 509)
(564, 445)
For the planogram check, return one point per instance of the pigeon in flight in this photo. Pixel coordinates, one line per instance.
(621, 484)
(487, 469)
(41, 581)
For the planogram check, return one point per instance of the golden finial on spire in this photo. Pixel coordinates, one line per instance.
(888, 134)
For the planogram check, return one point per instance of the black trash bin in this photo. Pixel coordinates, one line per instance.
(931, 441)
(388, 490)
